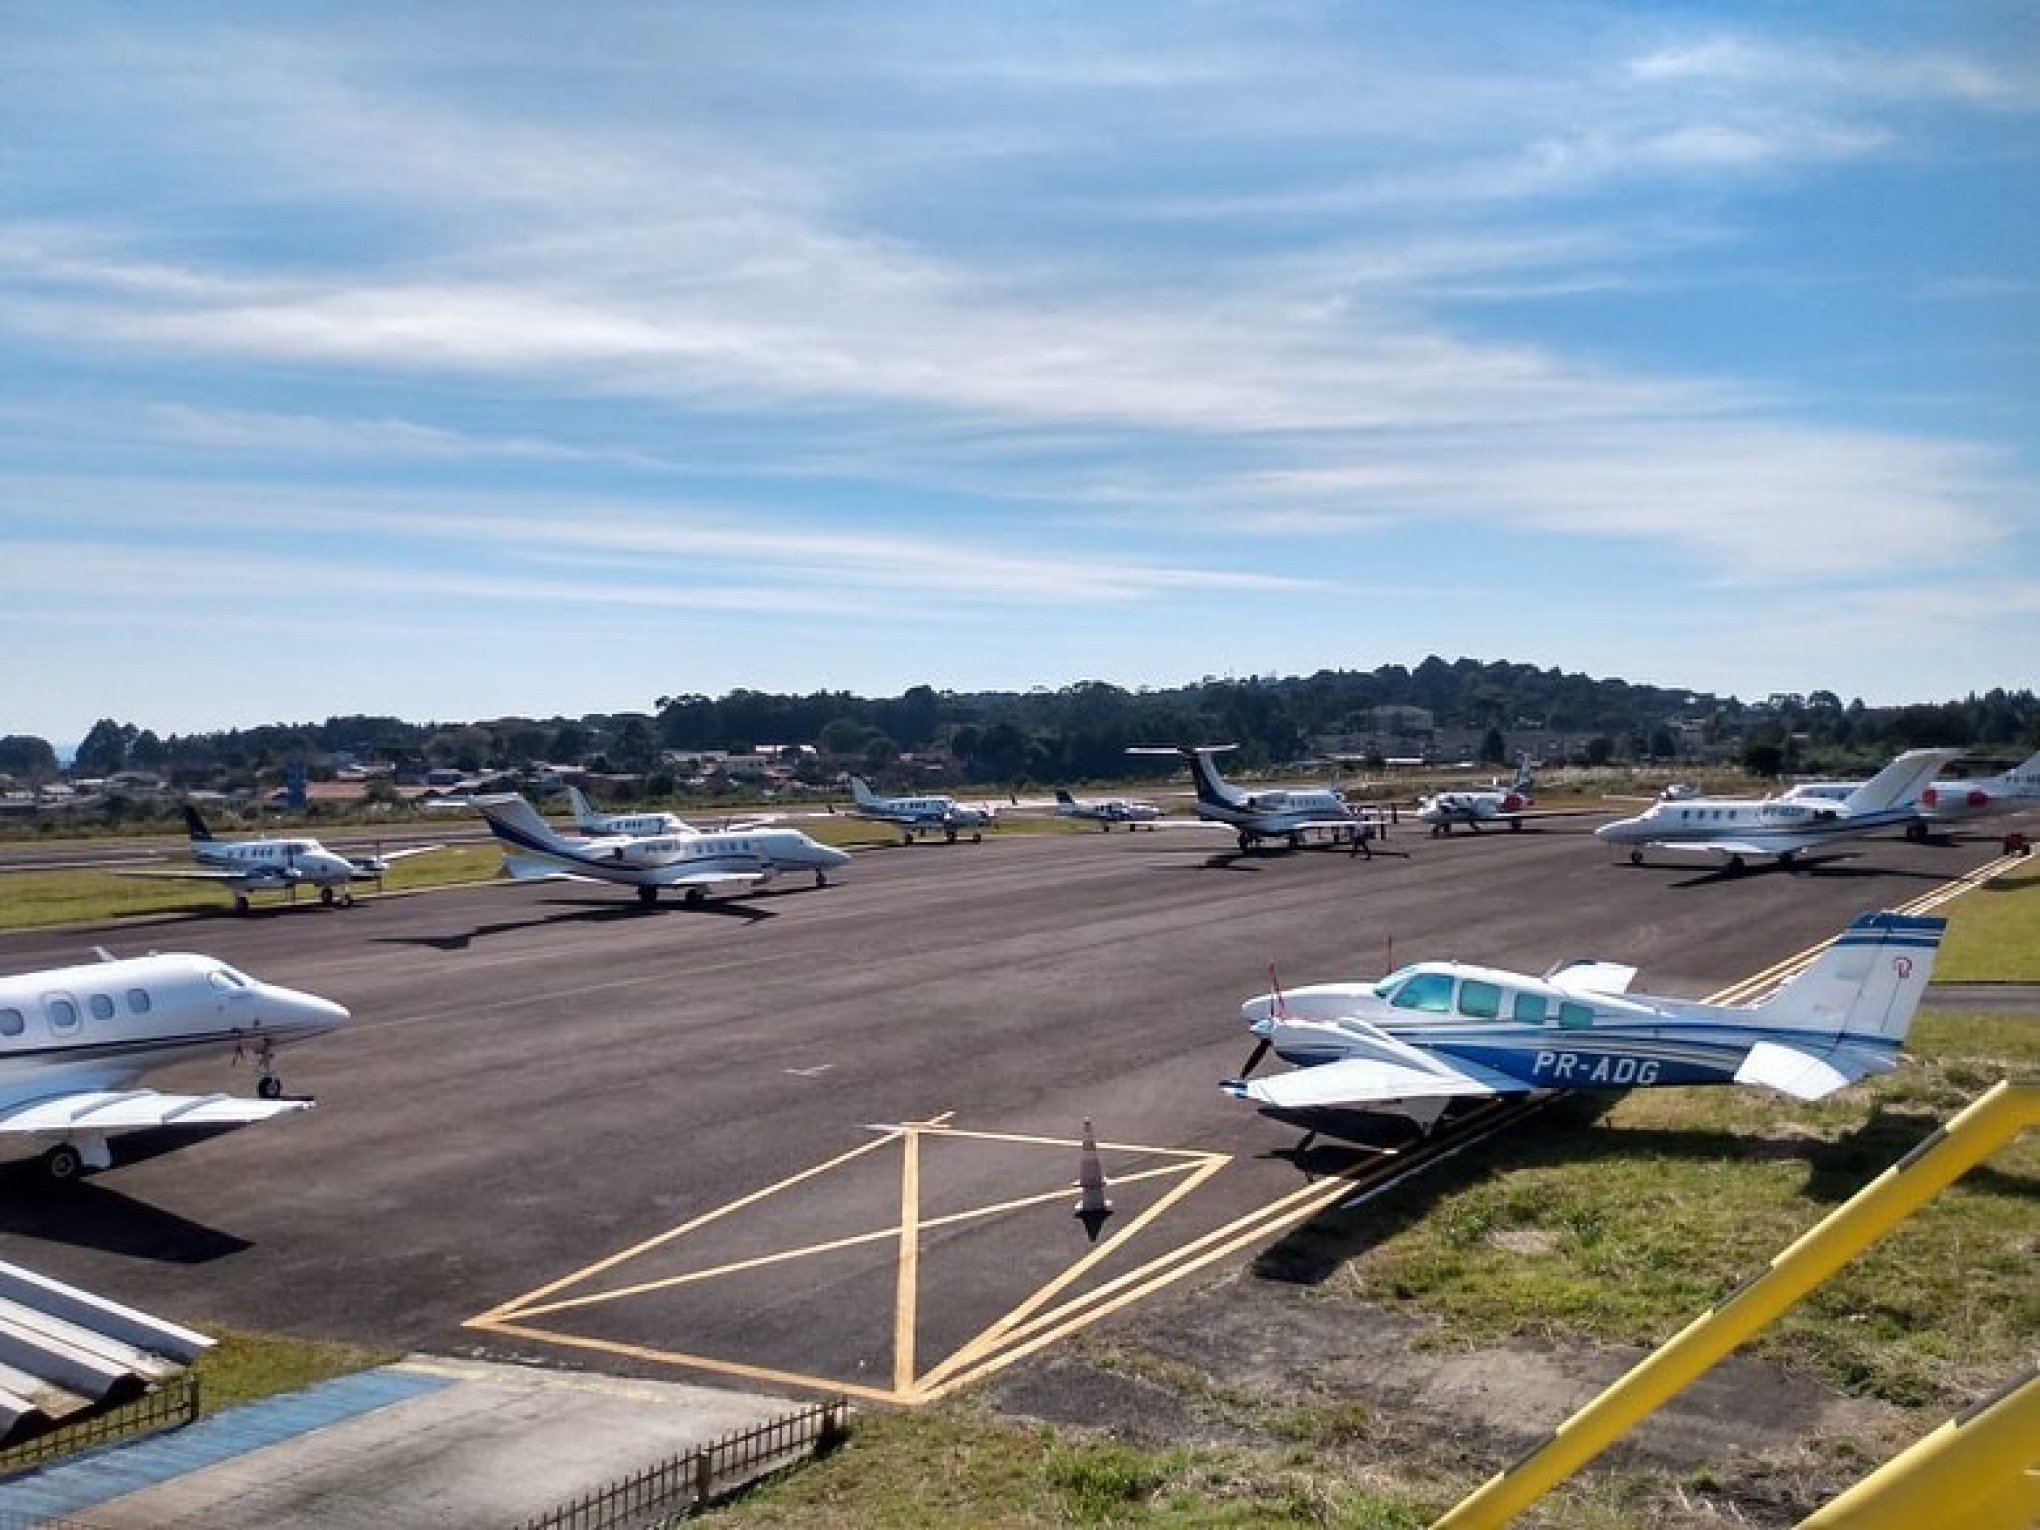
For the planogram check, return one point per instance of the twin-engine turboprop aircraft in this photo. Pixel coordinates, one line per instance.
(1511, 804)
(591, 820)
(73, 1040)
(690, 862)
(1273, 813)
(1106, 811)
(921, 815)
(248, 866)
(1739, 827)
(1428, 1034)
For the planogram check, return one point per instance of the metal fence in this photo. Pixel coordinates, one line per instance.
(677, 1487)
(169, 1406)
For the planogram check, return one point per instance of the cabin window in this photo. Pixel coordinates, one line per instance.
(1479, 1001)
(1574, 1017)
(62, 1010)
(100, 1005)
(1531, 1009)
(1430, 992)
(11, 1022)
(138, 1001)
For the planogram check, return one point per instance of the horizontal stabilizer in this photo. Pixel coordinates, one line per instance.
(134, 1110)
(1808, 1073)
(1358, 1081)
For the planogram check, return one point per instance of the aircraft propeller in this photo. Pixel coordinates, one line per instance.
(1254, 1057)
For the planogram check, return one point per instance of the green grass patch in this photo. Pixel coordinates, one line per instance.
(1994, 931)
(1624, 1225)
(244, 1366)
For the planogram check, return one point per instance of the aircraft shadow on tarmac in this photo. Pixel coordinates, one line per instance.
(1827, 867)
(1564, 1134)
(92, 1214)
(587, 911)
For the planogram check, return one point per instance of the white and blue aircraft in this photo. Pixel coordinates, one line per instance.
(248, 866)
(922, 815)
(691, 862)
(1740, 827)
(1947, 802)
(74, 1040)
(591, 820)
(1435, 1032)
(1106, 811)
(1270, 813)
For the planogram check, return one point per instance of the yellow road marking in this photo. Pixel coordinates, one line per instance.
(907, 1297)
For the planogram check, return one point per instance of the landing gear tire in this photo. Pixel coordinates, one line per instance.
(977, 837)
(1246, 843)
(240, 903)
(326, 897)
(648, 896)
(1515, 826)
(949, 836)
(821, 879)
(1296, 841)
(269, 1086)
(1636, 857)
(1737, 865)
(695, 897)
(63, 1164)
(1916, 831)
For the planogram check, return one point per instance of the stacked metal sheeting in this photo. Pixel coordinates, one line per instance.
(65, 1353)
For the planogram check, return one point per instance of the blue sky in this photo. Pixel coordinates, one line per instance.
(455, 361)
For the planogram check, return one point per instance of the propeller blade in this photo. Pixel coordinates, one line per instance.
(1254, 1059)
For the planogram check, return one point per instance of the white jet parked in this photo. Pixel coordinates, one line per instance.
(73, 1041)
(247, 866)
(591, 820)
(1948, 802)
(1270, 813)
(1738, 827)
(1434, 1032)
(922, 815)
(1509, 804)
(691, 862)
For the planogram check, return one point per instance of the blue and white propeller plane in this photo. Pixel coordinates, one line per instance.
(1741, 827)
(1436, 1032)
(692, 863)
(74, 1041)
(248, 866)
(589, 819)
(1106, 811)
(1270, 813)
(921, 815)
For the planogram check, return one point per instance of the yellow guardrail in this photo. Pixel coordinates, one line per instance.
(1994, 1449)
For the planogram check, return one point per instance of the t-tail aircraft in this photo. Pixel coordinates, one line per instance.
(591, 820)
(248, 866)
(691, 863)
(1106, 811)
(1511, 804)
(1947, 802)
(1740, 827)
(921, 815)
(1269, 813)
(1436, 1032)
(74, 1040)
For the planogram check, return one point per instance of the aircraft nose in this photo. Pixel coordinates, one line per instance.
(831, 856)
(305, 1012)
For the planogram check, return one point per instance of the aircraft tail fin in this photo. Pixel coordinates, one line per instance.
(1063, 797)
(1867, 983)
(861, 793)
(584, 811)
(516, 822)
(1898, 783)
(195, 824)
(1212, 788)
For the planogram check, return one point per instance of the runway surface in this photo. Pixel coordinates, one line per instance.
(827, 1138)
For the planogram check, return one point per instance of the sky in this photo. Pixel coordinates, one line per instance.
(459, 361)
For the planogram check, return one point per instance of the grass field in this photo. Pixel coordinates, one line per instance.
(1994, 931)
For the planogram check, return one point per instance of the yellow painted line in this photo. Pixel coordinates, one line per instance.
(993, 1335)
(762, 1261)
(504, 1308)
(694, 1362)
(1073, 1143)
(906, 1300)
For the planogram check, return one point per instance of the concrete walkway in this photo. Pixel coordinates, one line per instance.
(427, 1443)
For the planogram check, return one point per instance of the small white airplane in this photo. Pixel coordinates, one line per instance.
(1106, 811)
(1431, 1033)
(922, 815)
(592, 821)
(248, 866)
(1739, 827)
(1947, 802)
(1274, 813)
(73, 1041)
(1509, 804)
(690, 862)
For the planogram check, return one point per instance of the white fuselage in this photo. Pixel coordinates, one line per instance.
(103, 1025)
(263, 865)
(1959, 801)
(771, 851)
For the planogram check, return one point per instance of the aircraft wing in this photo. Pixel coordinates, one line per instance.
(395, 855)
(134, 1110)
(1755, 844)
(1366, 1081)
(1808, 1073)
(208, 874)
(676, 877)
(1522, 815)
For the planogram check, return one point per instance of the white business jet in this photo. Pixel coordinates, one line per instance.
(248, 866)
(692, 863)
(1509, 804)
(1435, 1032)
(1739, 827)
(921, 815)
(1947, 802)
(73, 1041)
(1106, 811)
(1271, 813)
